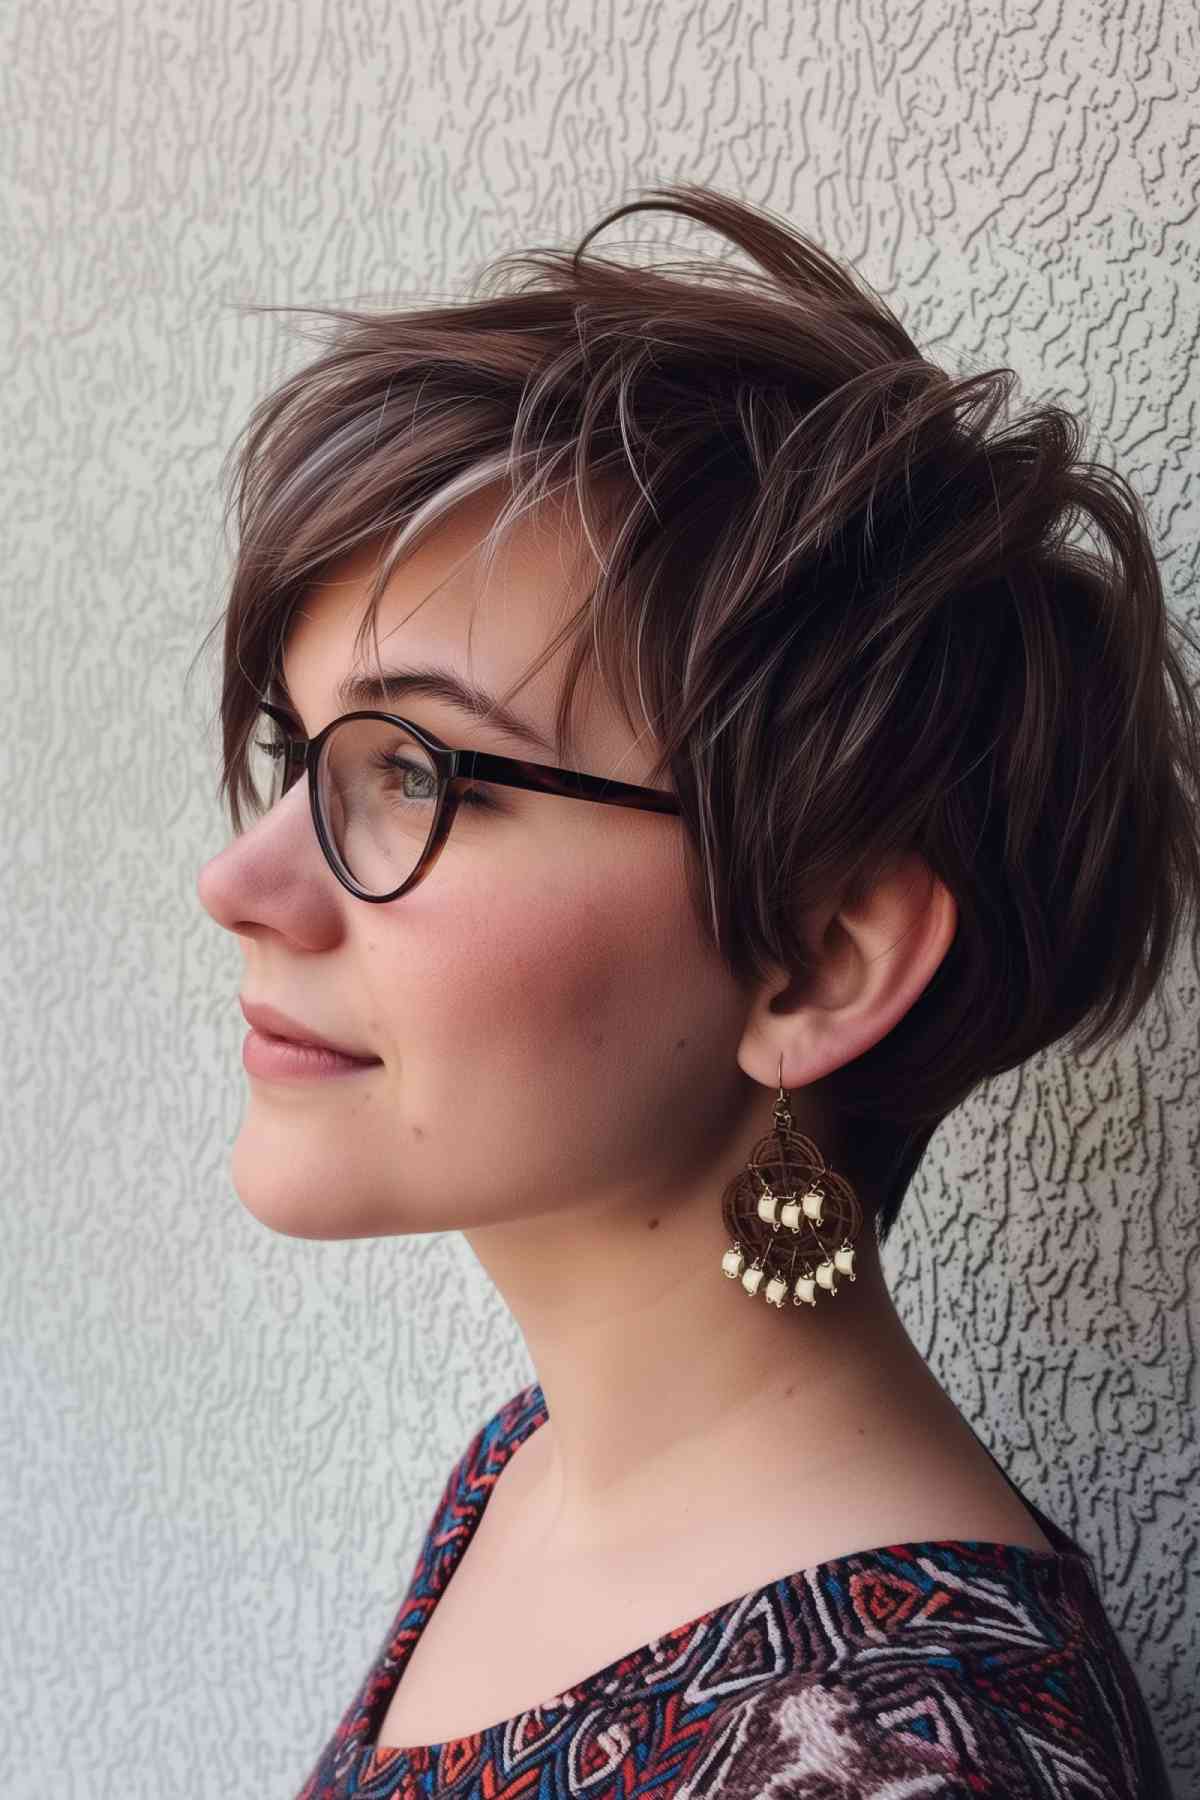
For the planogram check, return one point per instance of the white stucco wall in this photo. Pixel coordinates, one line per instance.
(218, 1448)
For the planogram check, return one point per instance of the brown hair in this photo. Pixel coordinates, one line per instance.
(857, 607)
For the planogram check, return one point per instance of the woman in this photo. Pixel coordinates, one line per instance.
(745, 766)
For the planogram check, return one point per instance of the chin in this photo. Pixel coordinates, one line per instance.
(295, 1196)
(288, 1214)
(308, 1184)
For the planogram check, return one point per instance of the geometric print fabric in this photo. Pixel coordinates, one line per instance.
(967, 1671)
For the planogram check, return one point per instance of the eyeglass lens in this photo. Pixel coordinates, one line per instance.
(377, 790)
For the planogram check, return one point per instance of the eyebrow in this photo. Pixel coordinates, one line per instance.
(428, 681)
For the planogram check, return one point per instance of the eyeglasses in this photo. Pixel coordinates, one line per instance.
(384, 793)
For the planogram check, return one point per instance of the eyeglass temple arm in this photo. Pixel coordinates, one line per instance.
(511, 771)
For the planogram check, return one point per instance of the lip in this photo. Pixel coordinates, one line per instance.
(277, 1027)
(281, 1060)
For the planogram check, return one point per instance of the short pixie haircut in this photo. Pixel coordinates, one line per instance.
(857, 607)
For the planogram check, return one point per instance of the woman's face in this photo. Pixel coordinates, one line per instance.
(551, 1027)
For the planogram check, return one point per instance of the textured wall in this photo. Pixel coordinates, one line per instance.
(218, 1447)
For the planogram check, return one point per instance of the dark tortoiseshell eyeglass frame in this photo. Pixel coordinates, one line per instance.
(455, 770)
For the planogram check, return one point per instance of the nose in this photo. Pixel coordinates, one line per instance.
(274, 877)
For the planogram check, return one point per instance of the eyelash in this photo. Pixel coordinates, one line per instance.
(477, 797)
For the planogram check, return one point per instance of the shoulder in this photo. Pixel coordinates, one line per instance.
(470, 1481)
(493, 1444)
(930, 1669)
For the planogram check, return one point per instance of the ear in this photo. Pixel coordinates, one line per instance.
(872, 954)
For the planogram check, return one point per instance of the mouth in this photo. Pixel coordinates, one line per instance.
(283, 1059)
(275, 1028)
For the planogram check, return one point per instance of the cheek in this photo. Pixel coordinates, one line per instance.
(579, 969)
(544, 966)
(544, 1027)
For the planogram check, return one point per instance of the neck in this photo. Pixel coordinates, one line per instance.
(664, 1379)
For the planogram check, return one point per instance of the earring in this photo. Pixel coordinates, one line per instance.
(787, 1186)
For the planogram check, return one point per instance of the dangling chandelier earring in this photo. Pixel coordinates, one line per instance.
(787, 1186)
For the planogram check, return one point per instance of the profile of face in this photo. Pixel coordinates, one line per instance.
(553, 1029)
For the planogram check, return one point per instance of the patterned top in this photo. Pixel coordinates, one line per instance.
(965, 1670)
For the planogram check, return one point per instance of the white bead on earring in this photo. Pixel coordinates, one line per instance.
(768, 1192)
